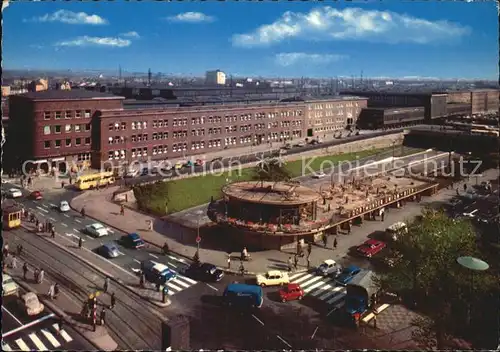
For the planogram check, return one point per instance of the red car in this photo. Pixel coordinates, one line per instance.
(370, 248)
(36, 195)
(291, 292)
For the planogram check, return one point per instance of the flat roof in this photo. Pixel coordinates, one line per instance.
(276, 193)
(74, 94)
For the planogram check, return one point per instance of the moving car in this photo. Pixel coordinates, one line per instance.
(329, 267)
(370, 248)
(36, 195)
(397, 229)
(64, 206)
(273, 278)
(318, 175)
(204, 272)
(243, 296)
(14, 193)
(347, 275)
(108, 250)
(32, 304)
(157, 273)
(291, 292)
(96, 230)
(9, 287)
(133, 240)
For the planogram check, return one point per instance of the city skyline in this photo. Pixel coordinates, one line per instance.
(441, 40)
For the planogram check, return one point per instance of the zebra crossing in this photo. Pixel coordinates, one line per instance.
(45, 339)
(175, 286)
(319, 287)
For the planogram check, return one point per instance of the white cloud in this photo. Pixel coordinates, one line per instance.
(70, 17)
(131, 34)
(36, 46)
(289, 59)
(327, 23)
(191, 17)
(96, 41)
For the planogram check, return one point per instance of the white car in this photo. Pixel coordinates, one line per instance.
(318, 175)
(64, 207)
(9, 287)
(32, 304)
(96, 230)
(14, 193)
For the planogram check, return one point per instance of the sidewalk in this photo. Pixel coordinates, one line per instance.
(63, 306)
(181, 240)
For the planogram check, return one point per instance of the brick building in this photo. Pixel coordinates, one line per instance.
(51, 126)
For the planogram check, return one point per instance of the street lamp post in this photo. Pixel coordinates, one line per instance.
(473, 264)
(198, 238)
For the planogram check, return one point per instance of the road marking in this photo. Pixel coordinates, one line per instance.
(13, 316)
(311, 281)
(286, 343)
(260, 321)
(78, 221)
(312, 287)
(187, 279)
(6, 347)
(53, 205)
(120, 253)
(63, 333)
(41, 214)
(216, 289)
(175, 266)
(91, 238)
(64, 224)
(110, 231)
(329, 293)
(22, 345)
(48, 335)
(76, 230)
(181, 283)
(38, 343)
(45, 206)
(314, 333)
(135, 260)
(66, 215)
(174, 287)
(303, 278)
(154, 256)
(336, 298)
(52, 219)
(181, 260)
(328, 285)
(40, 208)
(294, 276)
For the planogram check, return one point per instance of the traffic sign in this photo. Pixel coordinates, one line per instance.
(198, 239)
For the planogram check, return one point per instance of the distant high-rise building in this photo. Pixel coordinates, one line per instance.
(216, 77)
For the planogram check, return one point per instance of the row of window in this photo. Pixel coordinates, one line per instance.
(68, 114)
(349, 104)
(67, 128)
(68, 142)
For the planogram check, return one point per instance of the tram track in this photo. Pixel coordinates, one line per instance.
(131, 322)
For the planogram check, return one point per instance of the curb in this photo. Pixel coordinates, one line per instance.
(237, 272)
(58, 311)
(103, 272)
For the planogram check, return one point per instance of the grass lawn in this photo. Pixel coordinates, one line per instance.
(190, 192)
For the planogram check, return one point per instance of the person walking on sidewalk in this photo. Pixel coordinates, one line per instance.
(335, 243)
(113, 301)
(36, 275)
(142, 281)
(465, 187)
(25, 270)
(242, 269)
(229, 261)
(53, 233)
(165, 248)
(41, 274)
(13, 263)
(80, 242)
(290, 264)
(51, 292)
(325, 240)
(56, 290)
(82, 212)
(309, 249)
(19, 249)
(106, 285)
(102, 316)
(295, 261)
(122, 210)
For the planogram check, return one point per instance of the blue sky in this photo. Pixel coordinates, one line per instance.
(384, 39)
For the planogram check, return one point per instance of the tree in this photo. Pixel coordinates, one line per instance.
(272, 170)
(427, 273)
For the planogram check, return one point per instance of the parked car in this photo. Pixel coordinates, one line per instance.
(14, 193)
(132, 173)
(300, 144)
(9, 287)
(329, 267)
(347, 275)
(273, 278)
(291, 292)
(318, 175)
(370, 248)
(36, 195)
(133, 240)
(64, 206)
(32, 304)
(96, 230)
(108, 250)
(204, 272)
(199, 162)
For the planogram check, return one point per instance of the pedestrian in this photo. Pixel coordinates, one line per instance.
(290, 264)
(25, 270)
(60, 324)
(242, 269)
(335, 243)
(37, 223)
(164, 294)
(106, 285)
(51, 292)
(458, 193)
(102, 316)
(85, 309)
(19, 249)
(56, 290)
(382, 216)
(36, 275)
(63, 184)
(465, 187)
(229, 261)
(309, 248)
(82, 212)
(122, 210)
(295, 262)
(14, 262)
(158, 287)
(80, 242)
(141, 281)
(6, 251)
(41, 275)
(325, 241)
(53, 233)
(308, 263)
(113, 301)
(150, 224)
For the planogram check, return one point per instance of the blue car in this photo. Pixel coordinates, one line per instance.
(108, 250)
(347, 275)
(133, 240)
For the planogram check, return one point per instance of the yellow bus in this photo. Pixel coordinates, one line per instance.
(95, 180)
